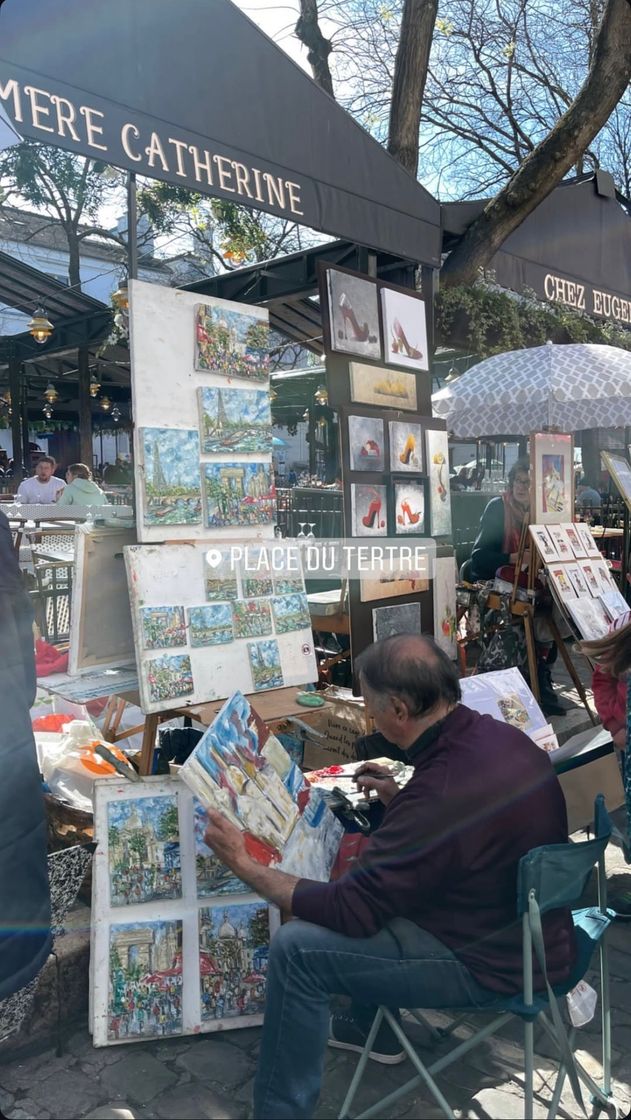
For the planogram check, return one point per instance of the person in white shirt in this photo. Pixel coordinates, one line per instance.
(44, 488)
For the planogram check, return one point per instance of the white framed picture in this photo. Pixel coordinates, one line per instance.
(552, 477)
(437, 453)
(561, 582)
(589, 617)
(543, 543)
(576, 541)
(405, 329)
(445, 617)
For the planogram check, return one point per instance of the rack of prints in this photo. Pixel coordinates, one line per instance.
(243, 771)
(579, 577)
(210, 620)
(505, 696)
(179, 945)
(203, 433)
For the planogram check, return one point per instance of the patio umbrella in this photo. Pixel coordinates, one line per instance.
(581, 385)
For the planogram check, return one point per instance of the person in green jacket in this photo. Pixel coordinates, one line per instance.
(81, 489)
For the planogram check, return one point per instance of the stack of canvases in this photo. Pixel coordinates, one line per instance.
(211, 614)
(395, 462)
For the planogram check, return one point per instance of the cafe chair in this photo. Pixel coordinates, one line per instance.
(549, 877)
(53, 599)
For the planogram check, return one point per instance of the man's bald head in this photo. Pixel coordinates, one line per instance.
(412, 668)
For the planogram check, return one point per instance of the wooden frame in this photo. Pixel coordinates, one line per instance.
(101, 633)
(551, 478)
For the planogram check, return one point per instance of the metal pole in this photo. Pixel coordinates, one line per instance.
(132, 227)
(26, 443)
(85, 410)
(15, 367)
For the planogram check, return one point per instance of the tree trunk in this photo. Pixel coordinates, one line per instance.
(74, 259)
(318, 47)
(546, 165)
(408, 86)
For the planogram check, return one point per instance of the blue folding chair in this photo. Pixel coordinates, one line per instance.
(549, 877)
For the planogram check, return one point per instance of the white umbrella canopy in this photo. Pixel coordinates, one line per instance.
(581, 385)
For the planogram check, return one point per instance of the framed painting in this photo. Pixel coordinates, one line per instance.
(437, 452)
(366, 449)
(552, 478)
(369, 510)
(392, 586)
(406, 447)
(404, 329)
(445, 618)
(620, 471)
(179, 945)
(543, 543)
(238, 494)
(382, 387)
(232, 339)
(170, 472)
(408, 506)
(400, 618)
(234, 420)
(353, 314)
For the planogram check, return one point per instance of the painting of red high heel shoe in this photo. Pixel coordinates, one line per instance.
(409, 507)
(405, 329)
(365, 443)
(369, 510)
(406, 447)
(353, 314)
(437, 458)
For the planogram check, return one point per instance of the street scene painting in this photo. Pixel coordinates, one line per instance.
(252, 618)
(233, 955)
(235, 343)
(291, 612)
(239, 494)
(365, 443)
(143, 850)
(235, 420)
(163, 627)
(168, 678)
(242, 770)
(212, 876)
(210, 625)
(406, 447)
(265, 665)
(220, 577)
(145, 980)
(171, 476)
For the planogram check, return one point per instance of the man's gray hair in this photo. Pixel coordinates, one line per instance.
(413, 668)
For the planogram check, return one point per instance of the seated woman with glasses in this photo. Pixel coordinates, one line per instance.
(497, 545)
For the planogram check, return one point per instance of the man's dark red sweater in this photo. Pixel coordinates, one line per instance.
(447, 851)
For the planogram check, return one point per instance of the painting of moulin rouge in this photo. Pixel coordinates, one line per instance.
(241, 769)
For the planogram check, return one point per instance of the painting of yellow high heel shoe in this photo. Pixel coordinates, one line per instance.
(437, 458)
(405, 329)
(406, 447)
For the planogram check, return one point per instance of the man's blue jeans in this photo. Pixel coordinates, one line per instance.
(402, 966)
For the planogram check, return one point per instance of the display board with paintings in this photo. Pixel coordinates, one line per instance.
(552, 477)
(179, 945)
(620, 471)
(209, 620)
(578, 577)
(202, 421)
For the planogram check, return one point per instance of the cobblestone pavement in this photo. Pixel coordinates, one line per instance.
(212, 1076)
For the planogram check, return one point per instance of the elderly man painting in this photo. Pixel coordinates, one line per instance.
(427, 916)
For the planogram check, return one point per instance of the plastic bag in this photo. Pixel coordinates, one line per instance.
(581, 1004)
(77, 766)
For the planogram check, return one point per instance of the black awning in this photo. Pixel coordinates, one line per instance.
(26, 288)
(193, 93)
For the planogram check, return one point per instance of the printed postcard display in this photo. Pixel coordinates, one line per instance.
(202, 437)
(243, 771)
(201, 634)
(552, 478)
(179, 945)
(405, 329)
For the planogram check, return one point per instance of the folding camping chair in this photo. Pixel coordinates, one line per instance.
(549, 877)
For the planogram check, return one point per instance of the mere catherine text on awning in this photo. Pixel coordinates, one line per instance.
(144, 149)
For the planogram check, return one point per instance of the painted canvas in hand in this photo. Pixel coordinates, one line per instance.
(405, 330)
(400, 618)
(238, 495)
(170, 470)
(240, 769)
(353, 314)
(437, 451)
(235, 420)
(232, 341)
(444, 587)
(365, 443)
(406, 447)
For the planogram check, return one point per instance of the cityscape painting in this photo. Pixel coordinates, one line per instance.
(145, 980)
(220, 577)
(265, 665)
(233, 953)
(231, 342)
(252, 618)
(235, 420)
(171, 476)
(143, 850)
(210, 625)
(291, 612)
(212, 876)
(239, 494)
(162, 627)
(168, 678)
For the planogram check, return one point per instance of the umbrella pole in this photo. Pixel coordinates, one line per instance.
(625, 553)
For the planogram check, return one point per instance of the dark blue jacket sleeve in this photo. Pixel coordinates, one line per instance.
(487, 555)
